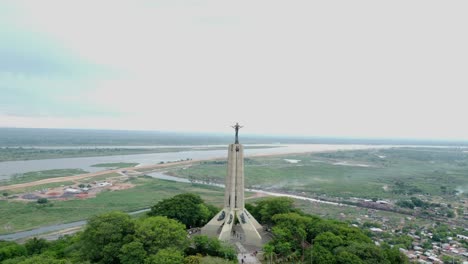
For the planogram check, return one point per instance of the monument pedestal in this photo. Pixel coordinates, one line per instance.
(221, 225)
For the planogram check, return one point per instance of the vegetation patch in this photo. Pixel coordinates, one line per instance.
(115, 237)
(17, 216)
(100, 177)
(116, 165)
(20, 153)
(40, 187)
(41, 175)
(391, 174)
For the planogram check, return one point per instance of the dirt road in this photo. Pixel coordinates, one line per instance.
(89, 175)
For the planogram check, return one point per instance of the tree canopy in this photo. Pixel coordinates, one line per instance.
(105, 234)
(301, 237)
(187, 208)
(117, 238)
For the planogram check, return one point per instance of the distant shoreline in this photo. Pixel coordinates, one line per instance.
(92, 137)
(164, 165)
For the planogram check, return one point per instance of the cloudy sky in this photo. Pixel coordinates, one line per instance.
(318, 68)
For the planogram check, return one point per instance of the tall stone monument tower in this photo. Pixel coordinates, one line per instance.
(224, 224)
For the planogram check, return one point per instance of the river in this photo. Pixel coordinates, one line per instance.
(9, 168)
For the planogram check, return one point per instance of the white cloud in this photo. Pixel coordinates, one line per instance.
(360, 68)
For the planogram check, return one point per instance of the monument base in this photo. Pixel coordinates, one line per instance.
(224, 225)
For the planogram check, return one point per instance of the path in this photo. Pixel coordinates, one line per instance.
(244, 254)
(89, 175)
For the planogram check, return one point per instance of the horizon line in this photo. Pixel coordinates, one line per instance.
(384, 138)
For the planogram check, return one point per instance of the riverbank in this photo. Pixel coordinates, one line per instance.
(212, 155)
(9, 168)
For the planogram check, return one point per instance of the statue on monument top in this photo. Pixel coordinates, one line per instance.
(237, 127)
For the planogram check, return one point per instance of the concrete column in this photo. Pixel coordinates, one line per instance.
(240, 177)
(232, 166)
(222, 224)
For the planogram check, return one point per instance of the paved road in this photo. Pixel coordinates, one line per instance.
(52, 228)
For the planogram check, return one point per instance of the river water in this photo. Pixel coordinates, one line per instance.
(9, 168)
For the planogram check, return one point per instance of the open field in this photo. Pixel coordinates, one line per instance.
(41, 175)
(378, 173)
(36, 153)
(390, 174)
(16, 216)
(117, 165)
(11, 154)
(37, 187)
(358, 215)
(87, 175)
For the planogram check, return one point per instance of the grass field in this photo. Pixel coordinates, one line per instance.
(116, 165)
(31, 153)
(384, 173)
(100, 177)
(356, 214)
(38, 187)
(438, 174)
(16, 216)
(40, 175)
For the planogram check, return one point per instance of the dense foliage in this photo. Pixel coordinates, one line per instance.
(187, 208)
(301, 237)
(117, 238)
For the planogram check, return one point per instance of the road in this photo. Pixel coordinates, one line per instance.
(89, 175)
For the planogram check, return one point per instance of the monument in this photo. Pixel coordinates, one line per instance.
(224, 224)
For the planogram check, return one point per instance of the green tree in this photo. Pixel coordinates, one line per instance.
(159, 232)
(194, 259)
(132, 253)
(291, 228)
(166, 256)
(450, 214)
(211, 246)
(269, 252)
(404, 240)
(417, 202)
(36, 246)
(267, 208)
(405, 204)
(105, 235)
(214, 260)
(10, 250)
(187, 208)
(395, 256)
(42, 201)
(328, 240)
(68, 246)
(371, 224)
(344, 257)
(367, 252)
(321, 255)
(43, 259)
(283, 248)
(450, 260)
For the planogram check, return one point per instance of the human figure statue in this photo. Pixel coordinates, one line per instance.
(237, 127)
